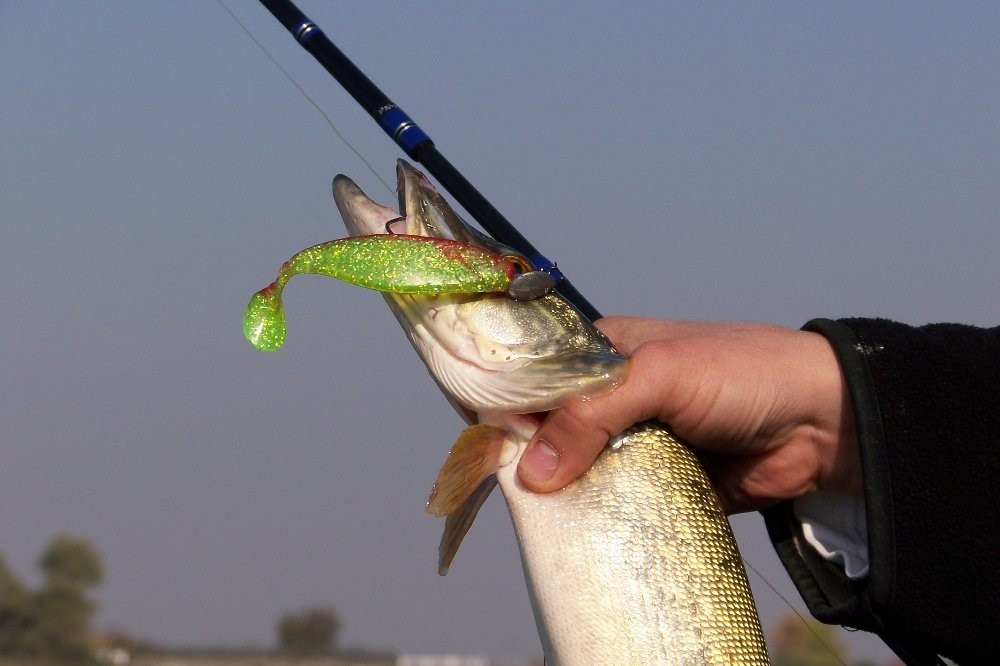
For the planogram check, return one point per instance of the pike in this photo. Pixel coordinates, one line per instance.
(633, 563)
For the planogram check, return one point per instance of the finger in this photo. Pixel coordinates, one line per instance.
(629, 333)
(755, 482)
(725, 478)
(563, 448)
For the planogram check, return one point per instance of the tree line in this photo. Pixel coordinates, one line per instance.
(52, 622)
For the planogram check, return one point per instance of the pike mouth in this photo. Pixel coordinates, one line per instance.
(362, 216)
(488, 352)
(422, 211)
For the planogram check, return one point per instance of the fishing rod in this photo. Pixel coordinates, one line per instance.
(416, 144)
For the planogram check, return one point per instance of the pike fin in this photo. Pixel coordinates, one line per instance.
(459, 522)
(463, 484)
(474, 456)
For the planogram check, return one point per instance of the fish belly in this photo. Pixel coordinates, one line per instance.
(635, 562)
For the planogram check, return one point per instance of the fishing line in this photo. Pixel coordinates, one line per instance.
(802, 618)
(309, 99)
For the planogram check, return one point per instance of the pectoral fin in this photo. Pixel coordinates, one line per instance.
(464, 483)
(474, 456)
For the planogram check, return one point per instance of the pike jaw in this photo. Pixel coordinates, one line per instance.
(490, 354)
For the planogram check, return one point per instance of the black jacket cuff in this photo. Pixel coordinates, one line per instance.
(926, 402)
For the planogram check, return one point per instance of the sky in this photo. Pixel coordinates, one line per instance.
(768, 162)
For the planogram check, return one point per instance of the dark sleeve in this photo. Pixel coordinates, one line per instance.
(927, 408)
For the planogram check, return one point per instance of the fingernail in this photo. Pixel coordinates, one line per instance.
(539, 462)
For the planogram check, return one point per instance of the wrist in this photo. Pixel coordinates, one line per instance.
(836, 435)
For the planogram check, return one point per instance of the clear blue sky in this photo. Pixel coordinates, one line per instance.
(767, 162)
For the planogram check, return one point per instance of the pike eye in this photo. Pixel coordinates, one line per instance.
(529, 283)
(519, 262)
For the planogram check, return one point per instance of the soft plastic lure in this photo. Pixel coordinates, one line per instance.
(394, 263)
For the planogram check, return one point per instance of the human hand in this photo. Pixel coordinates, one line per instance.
(765, 408)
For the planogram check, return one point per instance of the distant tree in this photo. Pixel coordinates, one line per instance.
(801, 641)
(62, 616)
(53, 622)
(14, 617)
(73, 561)
(310, 632)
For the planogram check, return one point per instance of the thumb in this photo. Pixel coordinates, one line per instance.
(571, 437)
(569, 441)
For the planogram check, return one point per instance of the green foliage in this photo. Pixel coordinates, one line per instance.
(51, 623)
(14, 617)
(310, 632)
(72, 561)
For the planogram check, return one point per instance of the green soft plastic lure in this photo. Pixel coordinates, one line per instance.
(396, 263)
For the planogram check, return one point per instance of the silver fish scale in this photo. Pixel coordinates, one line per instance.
(638, 564)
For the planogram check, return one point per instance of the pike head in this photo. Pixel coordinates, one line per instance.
(489, 353)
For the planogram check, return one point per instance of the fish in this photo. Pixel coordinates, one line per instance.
(633, 563)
